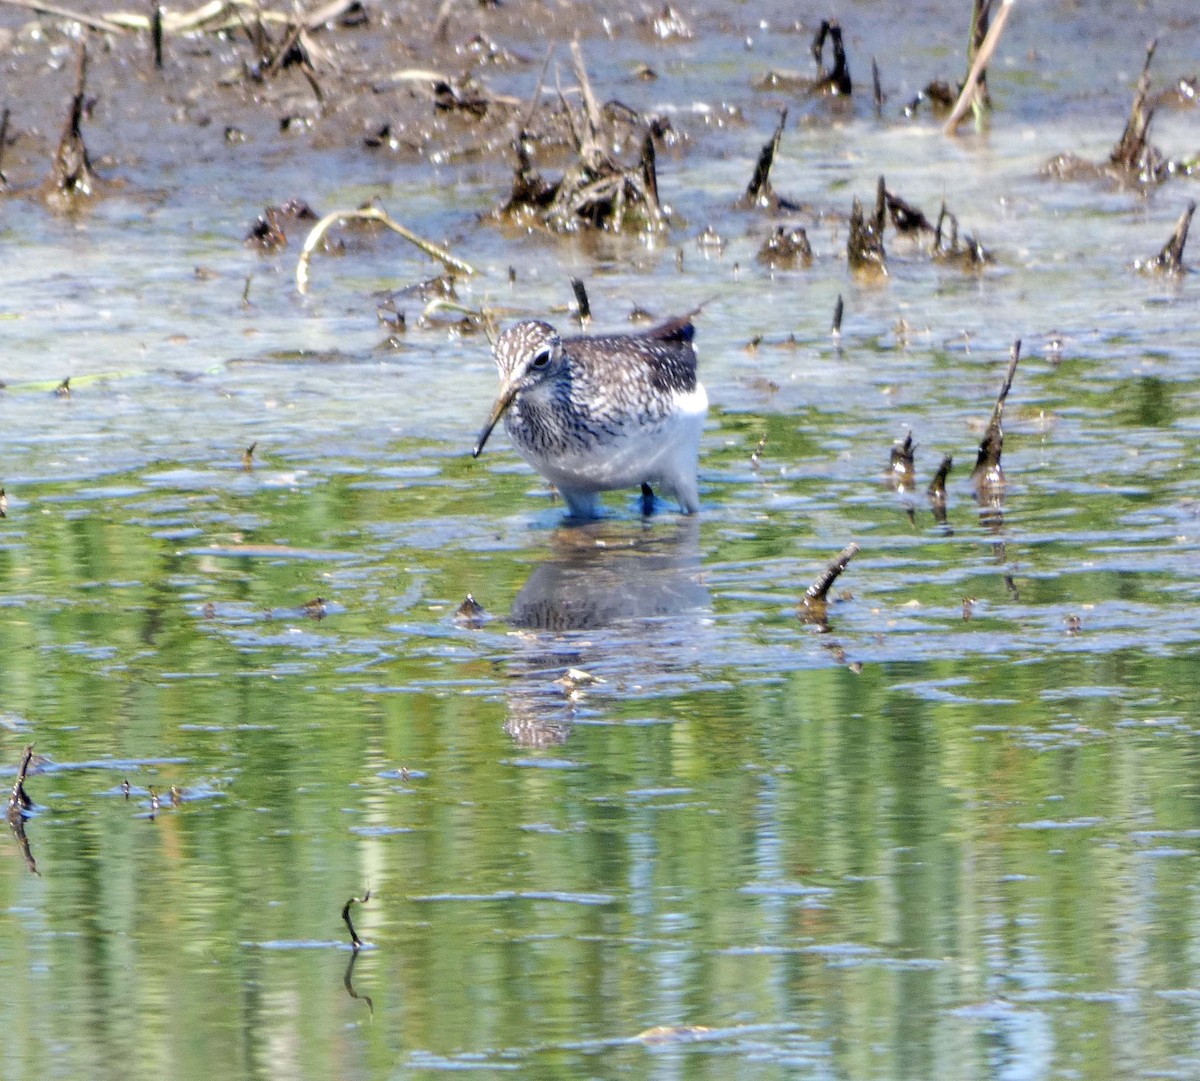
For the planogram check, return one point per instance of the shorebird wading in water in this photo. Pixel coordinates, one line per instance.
(595, 414)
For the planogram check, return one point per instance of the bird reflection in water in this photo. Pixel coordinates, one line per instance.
(617, 603)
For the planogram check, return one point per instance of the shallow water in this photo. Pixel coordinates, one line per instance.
(638, 819)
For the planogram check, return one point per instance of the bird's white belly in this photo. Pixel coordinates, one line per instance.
(656, 452)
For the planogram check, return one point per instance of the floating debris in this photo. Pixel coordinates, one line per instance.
(1133, 161)
(268, 233)
(756, 457)
(669, 25)
(864, 249)
(950, 247)
(839, 309)
(3, 503)
(470, 612)
(785, 247)
(1170, 259)
(248, 457)
(814, 605)
(938, 94)
(596, 191)
(906, 217)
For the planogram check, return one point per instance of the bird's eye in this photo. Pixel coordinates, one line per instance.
(542, 357)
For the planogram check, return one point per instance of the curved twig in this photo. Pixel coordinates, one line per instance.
(447, 259)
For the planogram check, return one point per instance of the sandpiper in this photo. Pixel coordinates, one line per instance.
(593, 414)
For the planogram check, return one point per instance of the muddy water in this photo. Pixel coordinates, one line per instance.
(636, 819)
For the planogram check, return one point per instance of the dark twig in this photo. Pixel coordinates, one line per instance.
(1170, 259)
(156, 33)
(758, 191)
(3, 142)
(19, 800)
(937, 490)
(1133, 151)
(73, 175)
(581, 301)
(650, 167)
(354, 939)
(814, 604)
(988, 476)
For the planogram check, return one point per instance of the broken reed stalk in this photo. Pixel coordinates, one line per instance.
(815, 601)
(19, 800)
(864, 245)
(590, 151)
(937, 486)
(1131, 147)
(355, 941)
(72, 174)
(758, 191)
(967, 96)
(988, 476)
(318, 231)
(156, 33)
(3, 141)
(1170, 259)
(902, 472)
(581, 301)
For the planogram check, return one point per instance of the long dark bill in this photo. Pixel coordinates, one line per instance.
(498, 410)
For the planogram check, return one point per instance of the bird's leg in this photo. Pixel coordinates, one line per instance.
(647, 500)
